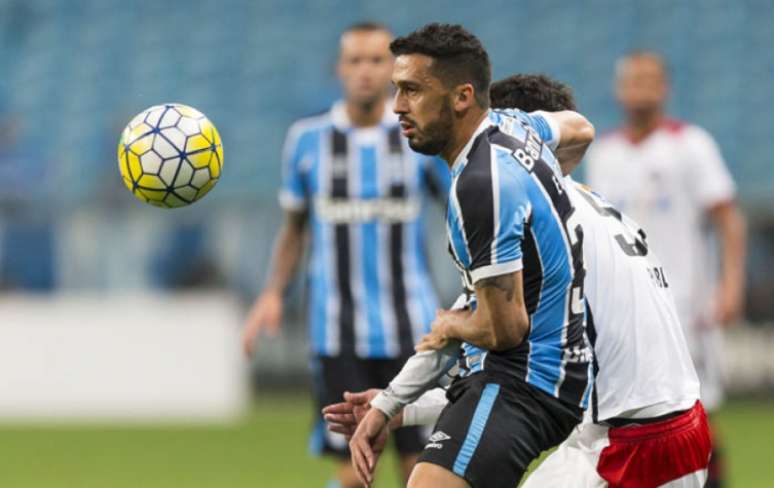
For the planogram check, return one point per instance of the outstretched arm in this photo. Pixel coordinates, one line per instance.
(344, 417)
(420, 373)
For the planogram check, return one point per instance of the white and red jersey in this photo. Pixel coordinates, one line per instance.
(645, 368)
(667, 182)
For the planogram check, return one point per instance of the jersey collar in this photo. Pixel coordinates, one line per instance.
(462, 157)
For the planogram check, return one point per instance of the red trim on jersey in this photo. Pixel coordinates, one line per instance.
(673, 126)
(654, 454)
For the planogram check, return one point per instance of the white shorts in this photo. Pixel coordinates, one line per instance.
(673, 453)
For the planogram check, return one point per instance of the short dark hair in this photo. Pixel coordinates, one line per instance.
(458, 56)
(531, 92)
(366, 26)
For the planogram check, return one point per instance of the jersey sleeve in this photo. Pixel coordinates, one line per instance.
(293, 193)
(543, 123)
(426, 409)
(546, 127)
(420, 373)
(712, 182)
(493, 208)
(436, 177)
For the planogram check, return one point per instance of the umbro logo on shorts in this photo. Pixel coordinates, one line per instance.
(434, 442)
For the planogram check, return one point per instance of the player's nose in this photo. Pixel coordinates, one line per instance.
(399, 105)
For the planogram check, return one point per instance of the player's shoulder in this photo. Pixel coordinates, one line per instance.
(690, 132)
(478, 168)
(490, 162)
(311, 123)
(498, 114)
(684, 131)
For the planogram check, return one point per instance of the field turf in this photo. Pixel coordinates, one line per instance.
(266, 449)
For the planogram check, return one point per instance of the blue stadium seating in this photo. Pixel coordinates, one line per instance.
(76, 71)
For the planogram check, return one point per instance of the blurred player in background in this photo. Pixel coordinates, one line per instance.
(671, 178)
(352, 187)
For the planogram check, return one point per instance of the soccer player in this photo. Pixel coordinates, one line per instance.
(526, 357)
(354, 190)
(671, 178)
(646, 426)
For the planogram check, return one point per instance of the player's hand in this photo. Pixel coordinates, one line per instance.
(266, 315)
(367, 444)
(438, 338)
(344, 417)
(434, 341)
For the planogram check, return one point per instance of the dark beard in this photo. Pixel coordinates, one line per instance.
(435, 136)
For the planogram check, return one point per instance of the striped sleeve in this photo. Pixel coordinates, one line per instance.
(493, 207)
(543, 123)
(293, 189)
(546, 127)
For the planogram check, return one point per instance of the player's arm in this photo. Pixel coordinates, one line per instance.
(288, 250)
(500, 321)
(426, 409)
(568, 134)
(714, 191)
(343, 418)
(490, 236)
(731, 229)
(420, 373)
(267, 310)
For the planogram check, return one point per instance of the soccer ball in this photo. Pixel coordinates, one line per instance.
(170, 155)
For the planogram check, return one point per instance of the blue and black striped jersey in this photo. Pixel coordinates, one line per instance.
(370, 292)
(508, 211)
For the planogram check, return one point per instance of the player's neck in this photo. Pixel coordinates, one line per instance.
(365, 114)
(639, 128)
(462, 135)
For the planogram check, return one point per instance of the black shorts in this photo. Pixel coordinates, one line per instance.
(332, 376)
(494, 427)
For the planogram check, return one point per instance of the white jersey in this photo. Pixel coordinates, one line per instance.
(667, 182)
(645, 368)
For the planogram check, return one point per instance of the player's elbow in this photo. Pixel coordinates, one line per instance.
(584, 130)
(509, 333)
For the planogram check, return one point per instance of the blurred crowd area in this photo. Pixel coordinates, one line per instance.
(73, 73)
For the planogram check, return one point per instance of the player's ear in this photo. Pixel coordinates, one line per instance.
(464, 97)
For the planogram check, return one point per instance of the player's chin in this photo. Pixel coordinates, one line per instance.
(367, 96)
(422, 147)
(416, 143)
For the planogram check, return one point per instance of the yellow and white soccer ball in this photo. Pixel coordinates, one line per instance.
(170, 155)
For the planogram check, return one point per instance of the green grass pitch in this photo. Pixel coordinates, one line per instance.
(267, 449)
